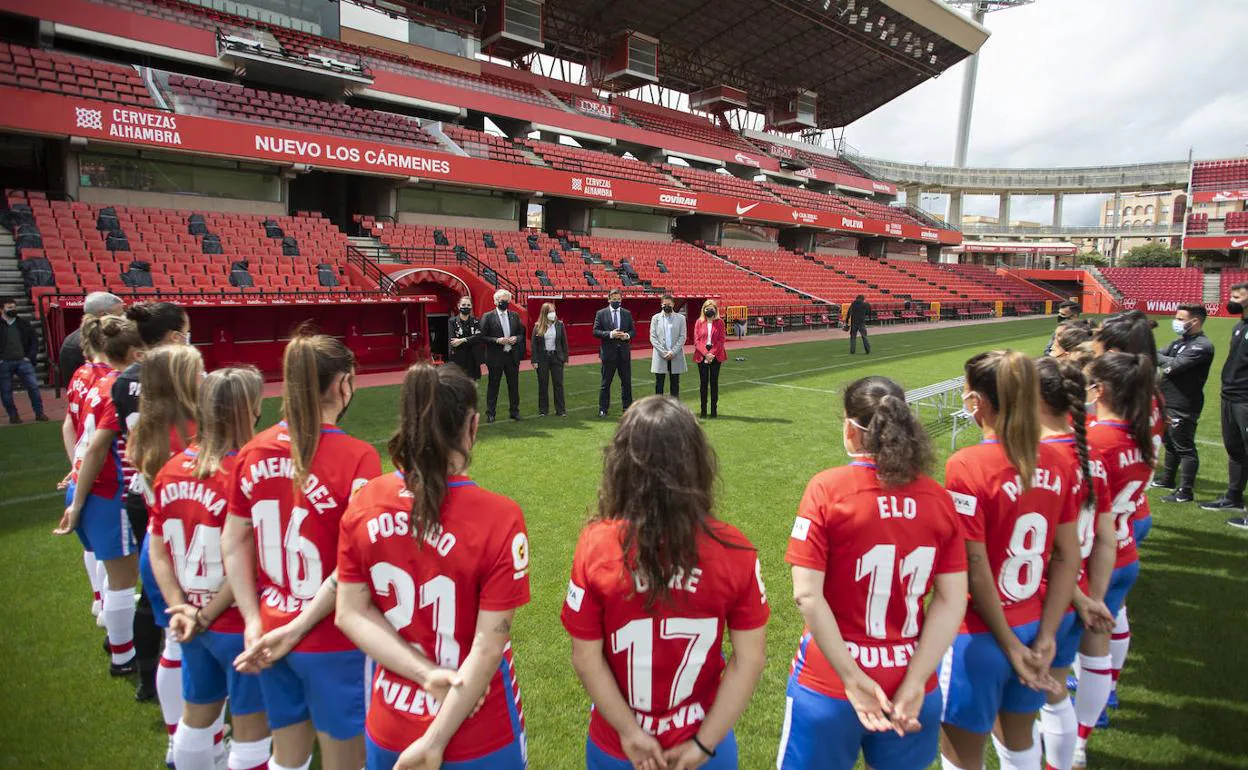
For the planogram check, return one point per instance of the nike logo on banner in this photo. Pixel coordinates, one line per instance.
(744, 209)
(1235, 244)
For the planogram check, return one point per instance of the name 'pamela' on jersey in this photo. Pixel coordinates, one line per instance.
(1044, 479)
(195, 492)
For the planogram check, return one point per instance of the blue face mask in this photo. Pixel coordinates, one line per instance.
(1180, 327)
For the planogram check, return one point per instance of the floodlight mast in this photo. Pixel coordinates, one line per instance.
(978, 10)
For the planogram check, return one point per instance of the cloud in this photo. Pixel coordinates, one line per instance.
(1076, 82)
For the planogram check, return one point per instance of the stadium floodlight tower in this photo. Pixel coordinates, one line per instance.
(978, 10)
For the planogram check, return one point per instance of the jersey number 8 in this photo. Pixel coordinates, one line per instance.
(1023, 567)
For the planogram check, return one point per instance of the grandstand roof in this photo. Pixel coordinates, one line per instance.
(852, 53)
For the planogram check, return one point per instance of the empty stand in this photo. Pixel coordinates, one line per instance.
(800, 196)
(581, 161)
(1220, 175)
(1230, 277)
(1197, 224)
(715, 182)
(1156, 283)
(1006, 287)
(252, 104)
(684, 125)
(72, 75)
(1237, 222)
(807, 275)
(480, 144)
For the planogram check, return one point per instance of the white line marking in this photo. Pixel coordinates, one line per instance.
(31, 498)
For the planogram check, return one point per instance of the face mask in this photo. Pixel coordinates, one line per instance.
(1180, 327)
(503, 305)
(550, 316)
(974, 410)
(10, 313)
(615, 304)
(186, 335)
(1234, 308)
(710, 312)
(849, 448)
(464, 310)
(346, 404)
(667, 308)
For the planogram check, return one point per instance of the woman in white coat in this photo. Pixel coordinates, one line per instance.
(667, 337)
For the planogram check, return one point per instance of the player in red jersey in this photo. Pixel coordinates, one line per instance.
(871, 540)
(661, 578)
(1063, 423)
(1019, 515)
(95, 511)
(80, 384)
(1121, 387)
(291, 485)
(656, 580)
(433, 566)
(189, 497)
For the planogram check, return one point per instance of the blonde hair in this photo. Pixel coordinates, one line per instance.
(168, 389)
(543, 323)
(705, 305)
(1010, 382)
(228, 401)
(312, 361)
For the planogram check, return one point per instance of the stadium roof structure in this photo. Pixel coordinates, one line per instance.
(855, 54)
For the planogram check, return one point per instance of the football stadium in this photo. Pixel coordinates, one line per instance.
(268, 267)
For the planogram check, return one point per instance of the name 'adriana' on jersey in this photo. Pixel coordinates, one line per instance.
(669, 657)
(879, 550)
(431, 593)
(297, 530)
(1016, 525)
(187, 514)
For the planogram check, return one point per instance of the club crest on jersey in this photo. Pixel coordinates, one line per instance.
(520, 554)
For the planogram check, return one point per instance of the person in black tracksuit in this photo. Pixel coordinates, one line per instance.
(1235, 411)
(465, 346)
(1184, 366)
(856, 320)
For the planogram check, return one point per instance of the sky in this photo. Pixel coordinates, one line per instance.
(1082, 82)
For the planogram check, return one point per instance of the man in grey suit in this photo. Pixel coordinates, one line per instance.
(667, 337)
(614, 326)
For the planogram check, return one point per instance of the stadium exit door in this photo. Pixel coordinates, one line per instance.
(340, 196)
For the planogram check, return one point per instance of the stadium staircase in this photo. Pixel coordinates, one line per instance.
(1104, 282)
(1211, 290)
(11, 286)
(764, 277)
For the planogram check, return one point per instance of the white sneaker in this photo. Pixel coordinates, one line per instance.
(99, 619)
(1081, 758)
(169, 754)
(97, 607)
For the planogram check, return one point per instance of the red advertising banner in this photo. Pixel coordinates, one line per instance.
(1167, 307)
(1215, 242)
(52, 114)
(596, 108)
(845, 180)
(1220, 196)
(1015, 248)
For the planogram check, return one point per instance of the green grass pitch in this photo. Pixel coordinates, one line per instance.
(1184, 692)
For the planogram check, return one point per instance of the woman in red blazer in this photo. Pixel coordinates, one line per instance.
(709, 335)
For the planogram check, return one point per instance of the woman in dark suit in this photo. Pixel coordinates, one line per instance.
(709, 335)
(550, 353)
(464, 339)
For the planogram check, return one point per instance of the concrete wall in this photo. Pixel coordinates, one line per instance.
(442, 220)
(632, 235)
(736, 243)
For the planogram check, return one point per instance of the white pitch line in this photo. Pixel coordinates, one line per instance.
(31, 498)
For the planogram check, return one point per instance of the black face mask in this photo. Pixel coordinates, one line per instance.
(465, 310)
(667, 308)
(615, 304)
(10, 313)
(1234, 308)
(503, 305)
(710, 312)
(346, 405)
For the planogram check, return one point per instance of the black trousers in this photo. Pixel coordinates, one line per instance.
(550, 373)
(147, 635)
(854, 331)
(708, 379)
(1235, 438)
(1182, 460)
(511, 371)
(618, 359)
(658, 381)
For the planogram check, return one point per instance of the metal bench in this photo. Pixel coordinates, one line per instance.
(961, 418)
(939, 396)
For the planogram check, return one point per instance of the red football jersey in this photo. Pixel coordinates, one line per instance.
(431, 593)
(1016, 526)
(187, 513)
(1157, 427)
(1088, 509)
(878, 549)
(296, 531)
(100, 413)
(1128, 479)
(76, 396)
(668, 660)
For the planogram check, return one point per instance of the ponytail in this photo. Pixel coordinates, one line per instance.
(1008, 379)
(435, 406)
(228, 401)
(311, 363)
(891, 432)
(1127, 382)
(1063, 389)
(168, 391)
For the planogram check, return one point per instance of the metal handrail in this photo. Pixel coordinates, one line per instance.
(371, 270)
(413, 255)
(1174, 228)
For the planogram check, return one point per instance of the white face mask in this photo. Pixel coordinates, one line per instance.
(550, 316)
(1180, 327)
(849, 448)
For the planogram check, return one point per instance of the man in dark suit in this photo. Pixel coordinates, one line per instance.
(614, 326)
(856, 320)
(504, 349)
(464, 339)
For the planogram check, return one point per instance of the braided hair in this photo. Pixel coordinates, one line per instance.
(1063, 389)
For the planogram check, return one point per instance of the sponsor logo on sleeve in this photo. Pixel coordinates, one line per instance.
(801, 528)
(576, 595)
(520, 554)
(964, 504)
